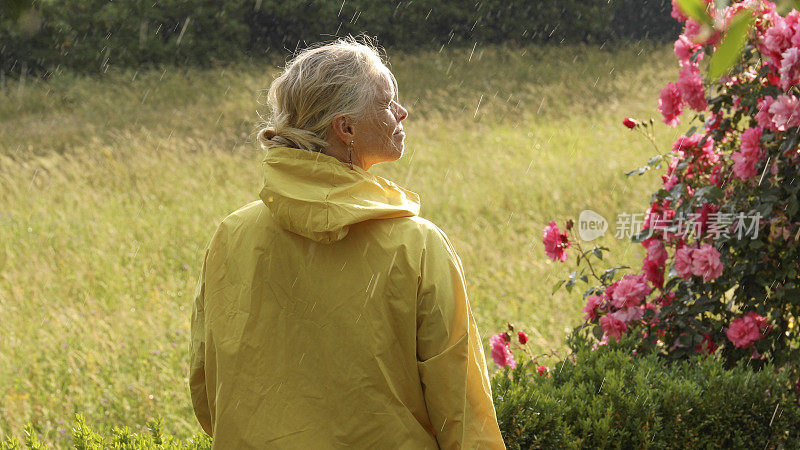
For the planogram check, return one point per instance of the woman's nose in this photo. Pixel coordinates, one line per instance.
(401, 112)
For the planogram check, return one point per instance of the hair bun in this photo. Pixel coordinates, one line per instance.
(268, 133)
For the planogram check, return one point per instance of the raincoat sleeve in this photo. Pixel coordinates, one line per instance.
(197, 369)
(450, 357)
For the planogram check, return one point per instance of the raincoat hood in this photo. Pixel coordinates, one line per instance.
(317, 196)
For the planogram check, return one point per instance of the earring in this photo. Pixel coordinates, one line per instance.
(350, 148)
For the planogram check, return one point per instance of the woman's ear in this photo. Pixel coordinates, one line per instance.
(343, 128)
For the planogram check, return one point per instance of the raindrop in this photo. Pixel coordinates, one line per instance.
(478, 107)
(183, 30)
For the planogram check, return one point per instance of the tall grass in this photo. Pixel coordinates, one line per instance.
(110, 189)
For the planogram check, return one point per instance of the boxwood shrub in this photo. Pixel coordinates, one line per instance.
(608, 399)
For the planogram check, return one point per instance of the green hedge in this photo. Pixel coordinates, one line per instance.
(605, 399)
(601, 399)
(92, 35)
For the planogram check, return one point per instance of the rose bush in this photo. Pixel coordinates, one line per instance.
(722, 267)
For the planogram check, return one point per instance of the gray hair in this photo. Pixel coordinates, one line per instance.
(317, 84)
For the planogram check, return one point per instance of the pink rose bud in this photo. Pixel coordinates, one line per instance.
(542, 370)
(523, 338)
(506, 336)
(630, 123)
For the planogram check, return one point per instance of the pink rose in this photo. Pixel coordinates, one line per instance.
(555, 242)
(629, 314)
(630, 291)
(706, 263)
(776, 39)
(592, 303)
(744, 166)
(703, 214)
(763, 117)
(691, 86)
(653, 272)
(543, 370)
(744, 331)
(676, 13)
(612, 326)
(501, 354)
(785, 112)
(746, 159)
(656, 252)
(691, 143)
(683, 262)
(751, 140)
(684, 49)
(790, 68)
(658, 218)
(670, 103)
(669, 181)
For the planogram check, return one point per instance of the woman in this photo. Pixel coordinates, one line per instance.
(328, 313)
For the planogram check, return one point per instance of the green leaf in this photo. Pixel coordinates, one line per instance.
(792, 207)
(557, 286)
(655, 160)
(709, 193)
(729, 49)
(696, 9)
(638, 171)
(597, 252)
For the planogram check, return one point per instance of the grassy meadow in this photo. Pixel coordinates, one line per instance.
(110, 189)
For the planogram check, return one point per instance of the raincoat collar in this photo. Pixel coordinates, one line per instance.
(317, 196)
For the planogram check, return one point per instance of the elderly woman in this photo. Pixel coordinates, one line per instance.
(328, 313)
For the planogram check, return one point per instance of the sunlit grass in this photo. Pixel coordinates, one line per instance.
(110, 188)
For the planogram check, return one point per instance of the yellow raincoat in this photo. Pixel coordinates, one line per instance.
(330, 315)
